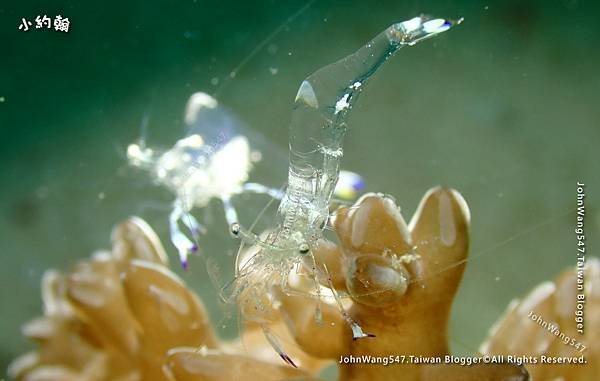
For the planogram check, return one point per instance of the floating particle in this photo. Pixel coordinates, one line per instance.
(214, 81)
(42, 192)
(273, 70)
(255, 156)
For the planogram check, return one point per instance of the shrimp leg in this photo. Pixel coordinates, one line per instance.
(357, 332)
(261, 189)
(230, 213)
(270, 336)
(184, 245)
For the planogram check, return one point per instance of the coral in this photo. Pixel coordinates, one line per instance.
(402, 280)
(123, 315)
(543, 323)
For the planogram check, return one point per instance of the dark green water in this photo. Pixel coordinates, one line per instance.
(503, 108)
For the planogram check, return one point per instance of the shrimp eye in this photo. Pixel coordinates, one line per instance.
(235, 228)
(323, 224)
(304, 248)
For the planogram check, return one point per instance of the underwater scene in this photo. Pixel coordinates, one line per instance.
(299, 190)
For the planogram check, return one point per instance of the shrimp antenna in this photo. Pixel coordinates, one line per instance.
(233, 73)
(357, 332)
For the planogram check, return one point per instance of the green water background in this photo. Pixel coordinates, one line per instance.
(504, 108)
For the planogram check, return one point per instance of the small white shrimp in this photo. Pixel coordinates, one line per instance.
(212, 161)
(317, 129)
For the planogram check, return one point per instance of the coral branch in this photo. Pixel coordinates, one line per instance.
(401, 280)
(543, 324)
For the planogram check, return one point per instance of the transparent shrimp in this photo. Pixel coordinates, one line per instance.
(318, 126)
(213, 161)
